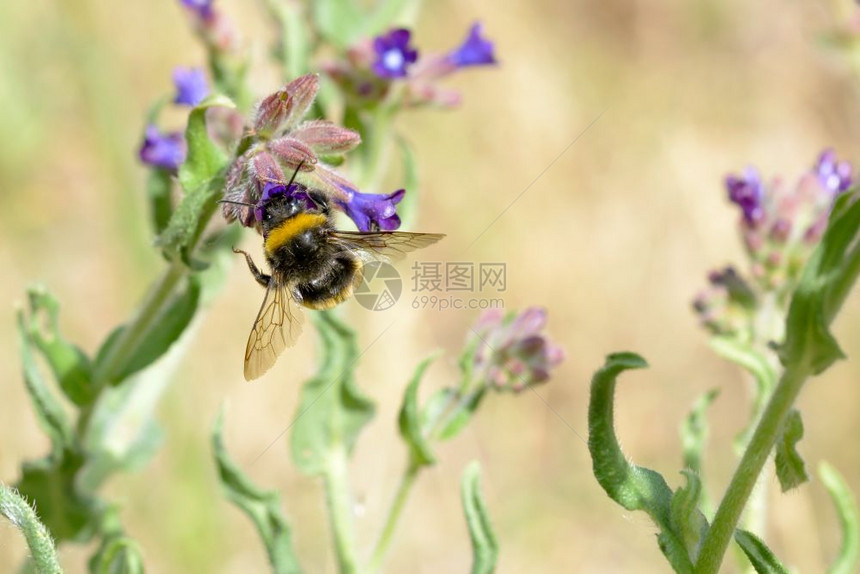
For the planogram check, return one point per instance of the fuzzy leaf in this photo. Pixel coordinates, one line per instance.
(685, 517)
(825, 283)
(50, 484)
(52, 418)
(849, 553)
(165, 331)
(485, 547)
(332, 411)
(790, 468)
(71, 367)
(22, 515)
(760, 556)
(420, 453)
(158, 191)
(117, 555)
(633, 487)
(201, 177)
(263, 507)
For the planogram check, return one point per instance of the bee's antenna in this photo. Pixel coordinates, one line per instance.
(295, 173)
(236, 202)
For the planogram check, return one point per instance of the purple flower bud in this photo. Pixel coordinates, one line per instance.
(272, 112)
(510, 352)
(164, 150)
(834, 175)
(371, 211)
(474, 51)
(326, 138)
(393, 54)
(191, 86)
(746, 191)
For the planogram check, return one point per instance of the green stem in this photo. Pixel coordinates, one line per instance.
(761, 444)
(22, 515)
(406, 483)
(340, 511)
(126, 345)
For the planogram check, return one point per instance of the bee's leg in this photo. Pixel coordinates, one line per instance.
(297, 295)
(261, 277)
(320, 199)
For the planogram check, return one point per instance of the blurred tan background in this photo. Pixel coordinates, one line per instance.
(615, 239)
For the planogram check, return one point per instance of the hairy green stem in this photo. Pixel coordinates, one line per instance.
(22, 515)
(336, 480)
(757, 453)
(406, 483)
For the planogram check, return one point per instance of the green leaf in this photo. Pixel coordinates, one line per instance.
(159, 185)
(685, 517)
(166, 329)
(827, 279)
(332, 411)
(849, 553)
(117, 555)
(408, 207)
(485, 547)
(633, 487)
(71, 367)
(761, 557)
(340, 21)
(22, 515)
(420, 453)
(263, 507)
(790, 468)
(50, 483)
(463, 412)
(51, 416)
(201, 177)
(694, 432)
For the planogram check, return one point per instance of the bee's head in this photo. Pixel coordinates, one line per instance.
(279, 202)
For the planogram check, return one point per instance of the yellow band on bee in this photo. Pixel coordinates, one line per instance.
(290, 228)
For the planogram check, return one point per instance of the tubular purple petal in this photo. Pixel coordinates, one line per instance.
(191, 86)
(164, 150)
(474, 51)
(371, 211)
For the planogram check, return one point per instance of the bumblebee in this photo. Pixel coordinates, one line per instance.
(312, 265)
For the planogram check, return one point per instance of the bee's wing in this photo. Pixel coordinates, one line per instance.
(277, 327)
(385, 244)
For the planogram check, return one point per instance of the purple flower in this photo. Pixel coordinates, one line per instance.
(393, 54)
(474, 51)
(511, 352)
(191, 86)
(746, 191)
(371, 211)
(297, 191)
(164, 150)
(837, 176)
(202, 8)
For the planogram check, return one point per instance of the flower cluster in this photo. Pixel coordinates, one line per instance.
(509, 352)
(371, 67)
(278, 142)
(780, 225)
